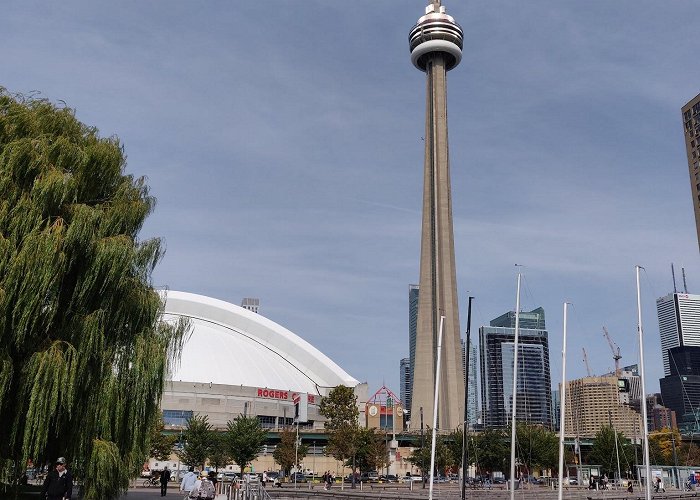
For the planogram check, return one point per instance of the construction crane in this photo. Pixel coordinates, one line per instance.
(615, 351)
(585, 360)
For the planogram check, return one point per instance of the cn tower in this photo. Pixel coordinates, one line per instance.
(436, 47)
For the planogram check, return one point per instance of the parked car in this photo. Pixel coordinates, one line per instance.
(297, 477)
(227, 476)
(499, 480)
(572, 481)
(411, 478)
(391, 478)
(369, 477)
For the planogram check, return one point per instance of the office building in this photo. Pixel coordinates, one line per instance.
(533, 320)
(405, 383)
(496, 346)
(471, 379)
(691, 129)
(594, 402)
(413, 293)
(659, 417)
(680, 391)
(679, 323)
(435, 43)
(556, 409)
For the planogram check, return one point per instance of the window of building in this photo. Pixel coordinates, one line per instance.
(176, 417)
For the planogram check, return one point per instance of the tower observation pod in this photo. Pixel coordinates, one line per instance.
(436, 47)
(436, 32)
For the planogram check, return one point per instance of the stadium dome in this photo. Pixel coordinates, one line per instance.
(233, 346)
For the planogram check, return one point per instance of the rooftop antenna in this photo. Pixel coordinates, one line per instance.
(673, 273)
(685, 285)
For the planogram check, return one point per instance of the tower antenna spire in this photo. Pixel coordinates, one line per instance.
(673, 274)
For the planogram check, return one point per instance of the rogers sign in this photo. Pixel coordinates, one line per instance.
(284, 395)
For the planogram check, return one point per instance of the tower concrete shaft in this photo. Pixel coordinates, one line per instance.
(436, 43)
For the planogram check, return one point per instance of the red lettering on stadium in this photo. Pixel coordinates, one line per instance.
(276, 394)
(273, 394)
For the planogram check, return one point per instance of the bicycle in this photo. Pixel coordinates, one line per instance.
(151, 481)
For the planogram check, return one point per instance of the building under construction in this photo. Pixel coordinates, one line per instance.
(594, 402)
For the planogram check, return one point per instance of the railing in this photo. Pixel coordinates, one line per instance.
(246, 489)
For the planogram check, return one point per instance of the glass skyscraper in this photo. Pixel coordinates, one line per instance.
(413, 292)
(471, 380)
(679, 323)
(405, 383)
(496, 346)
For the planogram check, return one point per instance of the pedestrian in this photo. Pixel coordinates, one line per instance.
(629, 487)
(164, 478)
(188, 482)
(203, 489)
(659, 485)
(58, 484)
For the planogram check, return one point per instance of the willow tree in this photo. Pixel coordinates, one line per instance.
(83, 353)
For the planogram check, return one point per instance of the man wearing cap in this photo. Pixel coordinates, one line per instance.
(58, 484)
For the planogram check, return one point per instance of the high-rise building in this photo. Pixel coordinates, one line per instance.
(556, 409)
(436, 47)
(533, 320)
(691, 127)
(680, 391)
(413, 293)
(594, 402)
(405, 383)
(659, 417)
(471, 380)
(496, 359)
(679, 323)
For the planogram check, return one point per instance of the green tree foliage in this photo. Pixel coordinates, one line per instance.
(80, 338)
(454, 444)
(537, 447)
(286, 454)
(490, 451)
(219, 455)
(603, 451)
(443, 454)
(340, 410)
(196, 441)
(161, 444)
(244, 438)
(372, 452)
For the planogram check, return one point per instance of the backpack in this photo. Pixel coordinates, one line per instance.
(206, 491)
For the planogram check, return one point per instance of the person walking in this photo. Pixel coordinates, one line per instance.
(203, 488)
(58, 484)
(164, 479)
(188, 482)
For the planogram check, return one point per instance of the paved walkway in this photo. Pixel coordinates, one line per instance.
(441, 492)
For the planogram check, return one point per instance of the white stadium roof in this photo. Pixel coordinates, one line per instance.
(233, 346)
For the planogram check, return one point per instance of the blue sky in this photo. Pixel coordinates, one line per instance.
(282, 140)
